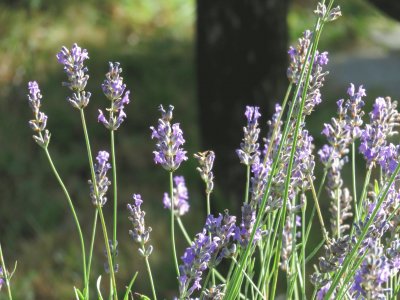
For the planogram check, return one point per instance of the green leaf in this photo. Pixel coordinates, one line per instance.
(78, 294)
(376, 187)
(129, 287)
(98, 288)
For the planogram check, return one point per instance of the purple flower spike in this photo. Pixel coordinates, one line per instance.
(98, 192)
(206, 161)
(384, 118)
(139, 233)
(181, 197)
(249, 147)
(38, 124)
(195, 262)
(169, 152)
(73, 60)
(114, 88)
(243, 232)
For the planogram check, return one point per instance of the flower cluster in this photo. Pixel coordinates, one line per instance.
(243, 232)
(114, 88)
(214, 243)
(73, 61)
(249, 147)
(169, 138)
(215, 292)
(99, 189)
(38, 124)
(289, 239)
(114, 254)
(342, 131)
(206, 162)
(195, 261)
(180, 195)
(384, 118)
(374, 272)
(139, 233)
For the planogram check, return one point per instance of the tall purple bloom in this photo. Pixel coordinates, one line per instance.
(139, 233)
(169, 152)
(73, 61)
(38, 124)
(195, 262)
(114, 88)
(384, 118)
(98, 192)
(181, 197)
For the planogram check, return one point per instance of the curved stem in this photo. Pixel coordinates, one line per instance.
(171, 187)
(109, 257)
(184, 232)
(5, 274)
(72, 208)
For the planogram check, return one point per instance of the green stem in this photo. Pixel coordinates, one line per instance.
(321, 219)
(72, 208)
(171, 187)
(109, 257)
(184, 232)
(246, 195)
(146, 258)
(92, 245)
(93, 176)
(115, 187)
(5, 274)
(208, 213)
(353, 173)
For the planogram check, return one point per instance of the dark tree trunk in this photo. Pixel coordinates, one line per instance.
(241, 60)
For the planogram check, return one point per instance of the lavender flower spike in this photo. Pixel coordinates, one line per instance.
(169, 152)
(139, 233)
(73, 60)
(249, 147)
(38, 124)
(206, 161)
(114, 88)
(98, 192)
(181, 196)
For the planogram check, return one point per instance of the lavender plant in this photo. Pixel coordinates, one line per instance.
(361, 248)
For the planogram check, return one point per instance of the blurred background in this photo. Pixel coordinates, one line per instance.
(209, 70)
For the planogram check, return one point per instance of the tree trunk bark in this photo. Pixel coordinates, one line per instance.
(241, 60)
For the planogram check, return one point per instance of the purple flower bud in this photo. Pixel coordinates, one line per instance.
(169, 138)
(113, 88)
(38, 124)
(1, 278)
(139, 233)
(206, 161)
(98, 192)
(249, 147)
(181, 196)
(73, 60)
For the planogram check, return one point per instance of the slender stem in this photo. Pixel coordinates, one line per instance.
(146, 258)
(115, 188)
(246, 195)
(109, 257)
(208, 213)
(354, 174)
(5, 274)
(171, 187)
(72, 208)
(321, 219)
(248, 278)
(96, 213)
(303, 249)
(184, 232)
(364, 190)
